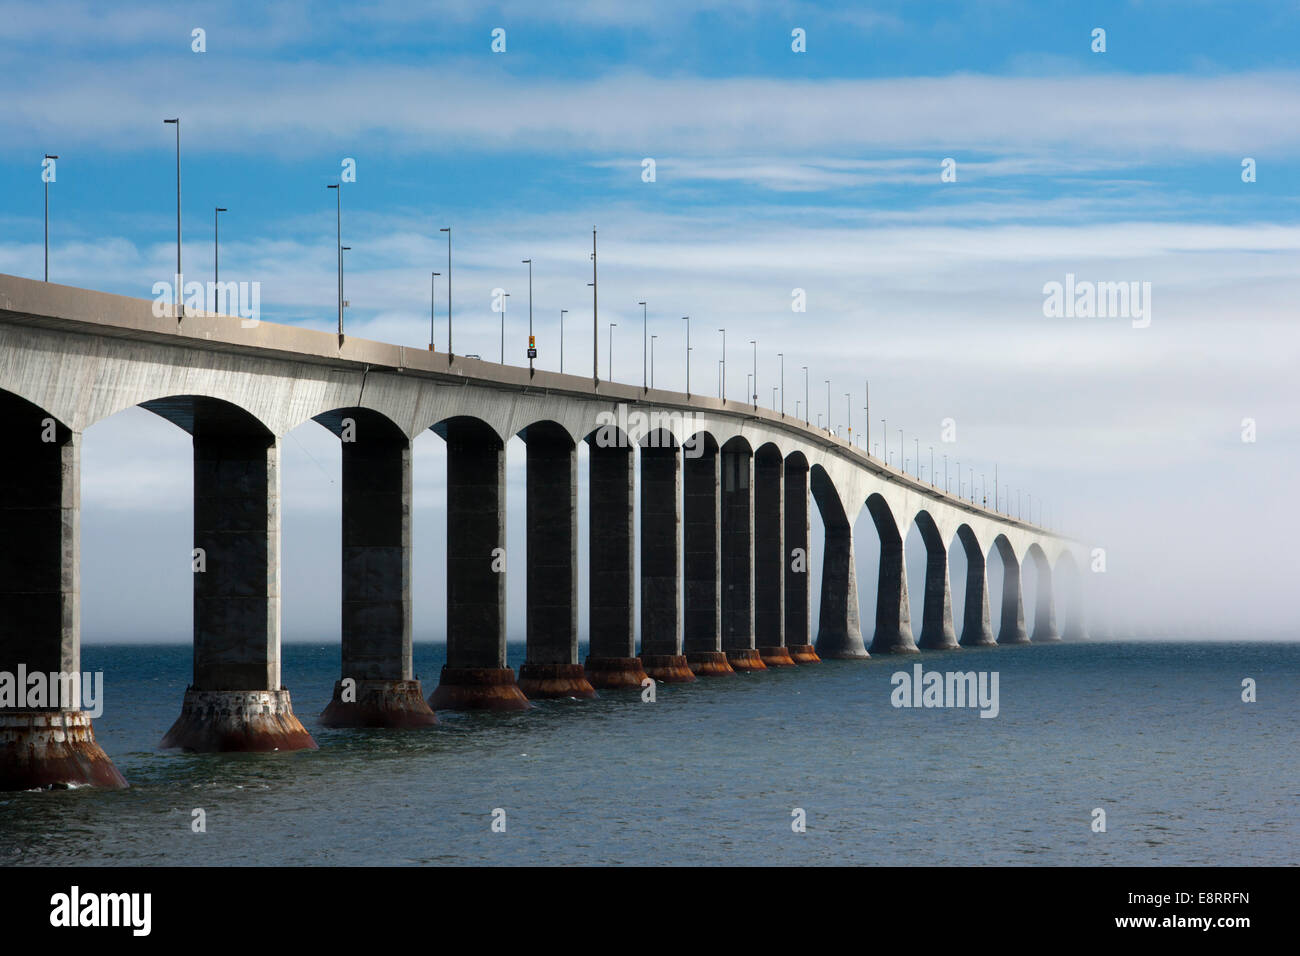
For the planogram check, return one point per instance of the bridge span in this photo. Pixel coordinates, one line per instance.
(725, 491)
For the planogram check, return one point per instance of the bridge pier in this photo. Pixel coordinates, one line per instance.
(737, 514)
(377, 687)
(51, 745)
(976, 629)
(475, 676)
(236, 702)
(1012, 628)
(937, 632)
(661, 600)
(551, 668)
(769, 558)
(893, 612)
(702, 631)
(611, 660)
(794, 563)
(1045, 631)
(839, 629)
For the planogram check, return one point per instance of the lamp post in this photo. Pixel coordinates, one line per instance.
(687, 320)
(807, 408)
(180, 297)
(755, 373)
(450, 352)
(595, 327)
(45, 176)
(644, 327)
(866, 410)
(342, 249)
(722, 380)
(781, 356)
(338, 244)
(652, 360)
(848, 412)
(529, 263)
(433, 276)
(216, 251)
(562, 312)
(828, 404)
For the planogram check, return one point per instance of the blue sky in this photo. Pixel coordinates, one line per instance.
(775, 170)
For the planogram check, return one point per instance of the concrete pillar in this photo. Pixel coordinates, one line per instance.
(1012, 628)
(839, 630)
(893, 613)
(769, 558)
(737, 515)
(1076, 628)
(796, 576)
(45, 740)
(702, 633)
(976, 630)
(1045, 631)
(377, 687)
(475, 676)
(661, 596)
(551, 668)
(937, 632)
(612, 661)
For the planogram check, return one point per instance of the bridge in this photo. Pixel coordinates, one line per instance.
(725, 492)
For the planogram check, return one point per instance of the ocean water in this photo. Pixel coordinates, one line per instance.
(1155, 734)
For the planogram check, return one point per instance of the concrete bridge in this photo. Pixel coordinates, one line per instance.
(725, 492)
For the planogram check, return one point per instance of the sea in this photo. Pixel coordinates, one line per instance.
(1101, 752)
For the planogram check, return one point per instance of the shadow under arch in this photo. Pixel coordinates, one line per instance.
(795, 569)
(701, 556)
(1011, 629)
(1045, 631)
(937, 631)
(976, 628)
(839, 630)
(661, 561)
(893, 634)
(736, 512)
(1067, 577)
(769, 556)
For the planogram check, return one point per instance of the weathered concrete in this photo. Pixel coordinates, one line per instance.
(611, 659)
(702, 546)
(551, 667)
(661, 596)
(475, 676)
(1012, 628)
(795, 567)
(378, 686)
(937, 632)
(769, 558)
(737, 559)
(236, 585)
(40, 603)
(976, 629)
(839, 631)
(893, 612)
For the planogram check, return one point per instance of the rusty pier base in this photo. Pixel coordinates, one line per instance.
(378, 703)
(251, 721)
(52, 750)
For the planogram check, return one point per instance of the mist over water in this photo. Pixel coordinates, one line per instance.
(1156, 734)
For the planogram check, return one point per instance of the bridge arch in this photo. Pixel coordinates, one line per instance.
(893, 633)
(839, 628)
(1044, 630)
(937, 630)
(976, 626)
(1011, 619)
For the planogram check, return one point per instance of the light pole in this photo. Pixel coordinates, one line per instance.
(531, 349)
(722, 379)
(180, 298)
(652, 360)
(807, 408)
(342, 249)
(433, 276)
(848, 412)
(612, 327)
(755, 373)
(504, 296)
(595, 328)
(884, 436)
(338, 244)
(216, 251)
(562, 312)
(687, 320)
(781, 356)
(45, 175)
(866, 410)
(828, 404)
(644, 327)
(450, 352)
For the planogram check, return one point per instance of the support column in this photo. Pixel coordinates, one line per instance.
(612, 661)
(839, 631)
(377, 687)
(737, 513)
(1045, 631)
(797, 578)
(769, 558)
(702, 634)
(976, 630)
(551, 668)
(475, 676)
(236, 701)
(1012, 628)
(937, 632)
(661, 596)
(46, 739)
(893, 612)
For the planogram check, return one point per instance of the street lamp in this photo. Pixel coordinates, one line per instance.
(595, 327)
(866, 410)
(45, 175)
(807, 408)
(828, 404)
(447, 230)
(432, 300)
(722, 380)
(180, 298)
(781, 356)
(531, 348)
(849, 416)
(342, 249)
(755, 373)
(216, 251)
(338, 245)
(687, 320)
(644, 326)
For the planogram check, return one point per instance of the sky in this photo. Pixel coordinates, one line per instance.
(1170, 158)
